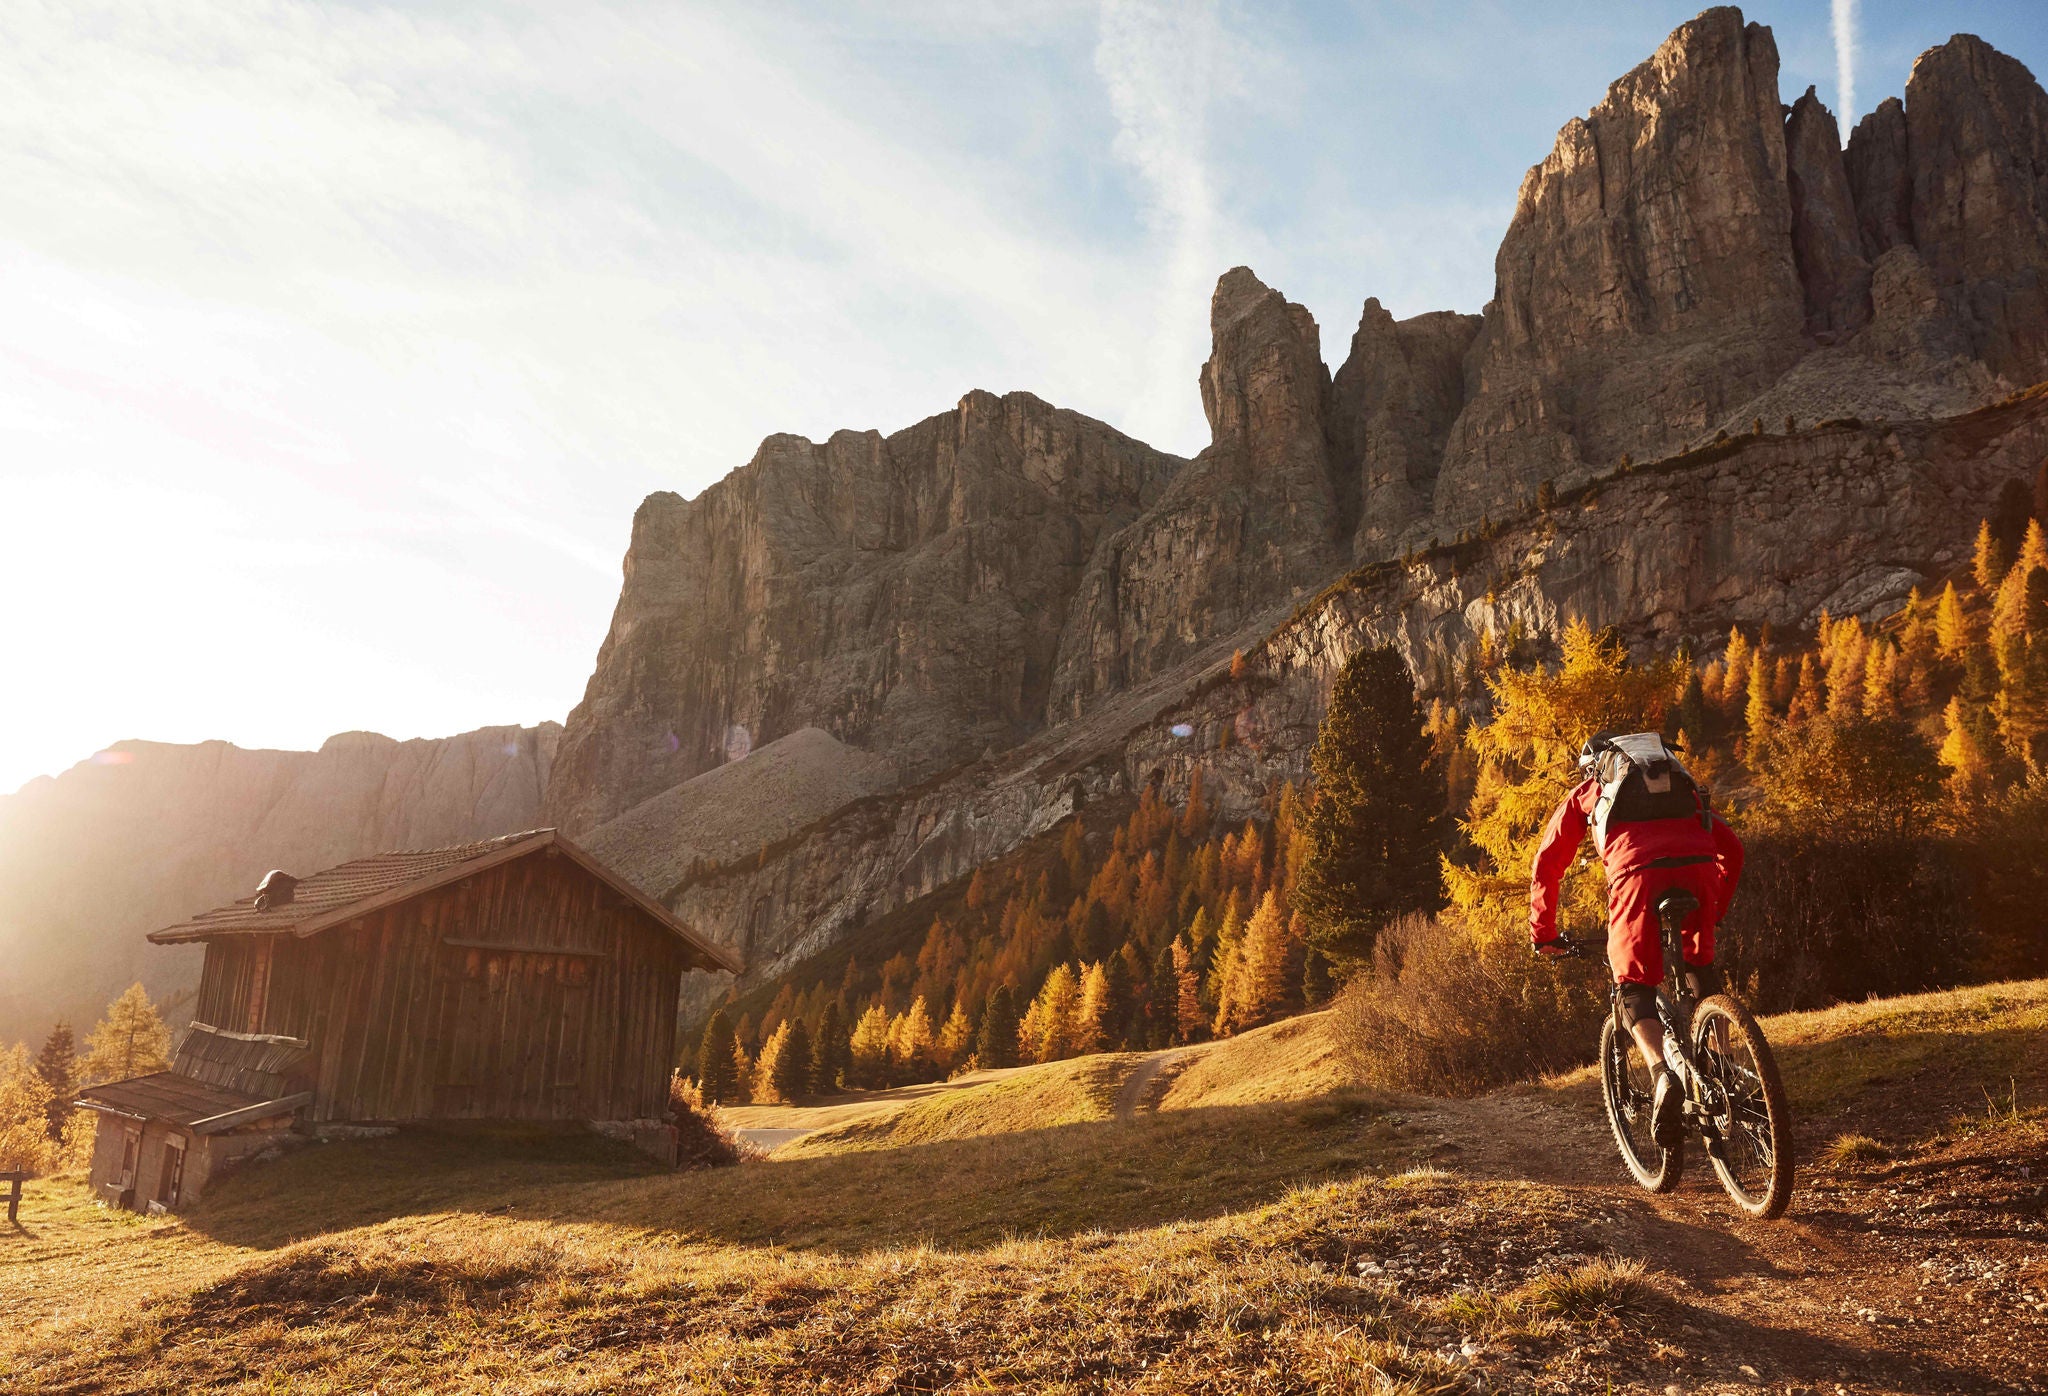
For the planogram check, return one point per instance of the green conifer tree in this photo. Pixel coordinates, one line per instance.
(717, 1078)
(57, 1064)
(830, 1055)
(996, 1044)
(1374, 830)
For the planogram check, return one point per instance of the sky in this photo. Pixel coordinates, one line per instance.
(338, 343)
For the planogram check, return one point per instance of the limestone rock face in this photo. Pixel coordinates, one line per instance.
(1881, 178)
(1827, 244)
(1646, 284)
(1391, 407)
(149, 833)
(1250, 521)
(906, 594)
(1977, 137)
(1773, 530)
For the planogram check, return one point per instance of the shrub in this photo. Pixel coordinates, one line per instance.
(1822, 917)
(701, 1141)
(1453, 1009)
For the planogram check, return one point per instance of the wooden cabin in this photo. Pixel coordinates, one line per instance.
(161, 1137)
(512, 979)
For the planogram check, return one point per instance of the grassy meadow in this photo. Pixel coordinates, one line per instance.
(1253, 1225)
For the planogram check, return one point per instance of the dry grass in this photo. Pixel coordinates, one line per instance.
(1271, 1297)
(1854, 1148)
(1198, 1251)
(1289, 1060)
(1077, 1091)
(972, 1242)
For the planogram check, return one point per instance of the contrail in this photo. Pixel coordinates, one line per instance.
(1844, 12)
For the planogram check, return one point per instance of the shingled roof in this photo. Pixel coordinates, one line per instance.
(342, 893)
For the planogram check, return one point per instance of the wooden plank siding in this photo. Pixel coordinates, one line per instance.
(404, 1026)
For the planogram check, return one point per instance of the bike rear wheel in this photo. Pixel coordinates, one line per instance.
(1754, 1155)
(1628, 1088)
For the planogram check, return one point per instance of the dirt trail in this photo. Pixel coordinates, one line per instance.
(1133, 1094)
(1843, 1295)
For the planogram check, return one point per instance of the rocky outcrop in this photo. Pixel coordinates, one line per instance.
(1391, 407)
(1881, 177)
(1646, 285)
(1252, 519)
(147, 833)
(907, 594)
(1827, 243)
(1977, 140)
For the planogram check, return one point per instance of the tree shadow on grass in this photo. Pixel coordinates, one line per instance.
(1062, 1181)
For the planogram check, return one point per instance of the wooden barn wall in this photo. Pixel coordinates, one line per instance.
(577, 1022)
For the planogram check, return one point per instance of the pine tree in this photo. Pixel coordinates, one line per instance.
(1190, 1021)
(715, 1079)
(1757, 715)
(1880, 682)
(1374, 832)
(742, 1072)
(911, 1042)
(785, 1064)
(1991, 559)
(1809, 698)
(1963, 752)
(830, 1056)
(996, 1044)
(1736, 664)
(1692, 711)
(1845, 670)
(1260, 984)
(956, 1040)
(869, 1048)
(1951, 627)
(57, 1064)
(1316, 985)
(1091, 1015)
(24, 1113)
(1047, 1033)
(1162, 998)
(130, 1041)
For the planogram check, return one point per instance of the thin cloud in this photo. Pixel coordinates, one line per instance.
(1158, 62)
(1843, 17)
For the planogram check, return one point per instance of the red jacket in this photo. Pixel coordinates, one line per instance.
(1630, 848)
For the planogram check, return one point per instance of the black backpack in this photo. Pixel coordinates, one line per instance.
(1640, 779)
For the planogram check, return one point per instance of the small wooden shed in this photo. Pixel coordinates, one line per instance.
(162, 1137)
(512, 979)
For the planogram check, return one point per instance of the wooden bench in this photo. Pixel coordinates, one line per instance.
(14, 1196)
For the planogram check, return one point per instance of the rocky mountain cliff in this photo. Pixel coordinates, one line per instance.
(1746, 359)
(147, 833)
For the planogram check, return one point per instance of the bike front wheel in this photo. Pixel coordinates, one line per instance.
(1746, 1107)
(1629, 1089)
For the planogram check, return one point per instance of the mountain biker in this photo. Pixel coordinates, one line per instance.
(1654, 832)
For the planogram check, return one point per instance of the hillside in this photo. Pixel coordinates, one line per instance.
(1336, 1242)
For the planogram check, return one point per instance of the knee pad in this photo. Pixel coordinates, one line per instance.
(1702, 980)
(1635, 1003)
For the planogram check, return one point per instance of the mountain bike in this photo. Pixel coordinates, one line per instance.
(1734, 1097)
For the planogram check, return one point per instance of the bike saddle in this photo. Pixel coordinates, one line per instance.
(1674, 906)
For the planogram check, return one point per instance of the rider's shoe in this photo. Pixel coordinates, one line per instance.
(1667, 1110)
